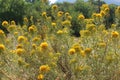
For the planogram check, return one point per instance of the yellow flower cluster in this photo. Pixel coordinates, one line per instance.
(115, 34)
(71, 51)
(44, 45)
(2, 34)
(44, 68)
(60, 14)
(44, 14)
(54, 7)
(20, 51)
(60, 32)
(2, 47)
(22, 39)
(40, 77)
(32, 29)
(81, 17)
(5, 23)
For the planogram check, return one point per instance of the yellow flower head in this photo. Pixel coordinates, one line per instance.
(44, 45)
(40, 77)
(59, 32)
(15, 33)
(77, 47)
(34, 46)
(66, 23)
(94, 15)
(88, 50)
(84, 33)
(60, 13)
(5, 23)
(19, 46)
(102, 13)
(113, 26)
(54, 7)
(115, 34)
(36, 39)
(107, 10)
(117, 12)
(82, 53)
(67, 14)
(44, 14)
(98, 15)
(53, 24)
(2, 34)
(25, 19)
(73, 61)
(32, 29)
(2, 47)
(22, 39)
(104, 6)
(69, 17)
(44, 68)
(90, 27)
(20, 51)
(81, 17)
(71, 51)
(13, 23)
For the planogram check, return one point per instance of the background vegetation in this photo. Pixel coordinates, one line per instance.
(17, 10)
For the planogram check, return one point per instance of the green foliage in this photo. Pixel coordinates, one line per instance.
(12, 10)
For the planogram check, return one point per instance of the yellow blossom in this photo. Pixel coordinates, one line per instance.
(69, 17)
(59, 32)
(115, 34)
(77, 47)
(113, 26)
(66, 14)
(44, 68)
(15, 33)
(32, 29)
(34, 46)
(88, 50)
(85, 33)
(71, 51)
(82, 52)
(98, 15)
(53, 24)
(36, 39)
(2, 47)
(54, 7)
(44, 45)
(22, 39)
(25, 19)
(66, 23)
(81, 17)
(13, 23)
(60, 13)
(20, 51)
(90, 27)
(4, 23)
(19, 46)
(2, 34)
(40, 77)
(117, 12)
(44, 14)
(102, 13)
